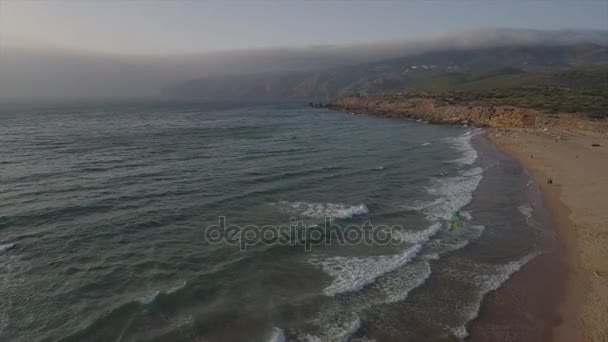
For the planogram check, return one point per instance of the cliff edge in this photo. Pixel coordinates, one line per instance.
(479, 114)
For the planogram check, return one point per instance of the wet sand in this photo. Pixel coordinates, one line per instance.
(525, 308)
(577, 200)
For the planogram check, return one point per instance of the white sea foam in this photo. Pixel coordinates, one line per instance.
(353, 273)
(310, 338)
(276, 335)
(453, 241)
(462, 144)
(340, 329)
(387, 284)
(472, 172)
(467, 215)
(176, 288)
(425, 144)
(322, 210)
(504, 272)
(148, 299)
(4, 248)
(525, 210)
(454, 193)
(398, 286)
(417, 236)
(344, 332)
(486, 278)
(395, 276)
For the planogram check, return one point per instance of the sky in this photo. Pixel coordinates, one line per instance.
(189, 27)
(134, 48)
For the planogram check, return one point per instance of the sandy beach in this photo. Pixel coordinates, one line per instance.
(577, 198)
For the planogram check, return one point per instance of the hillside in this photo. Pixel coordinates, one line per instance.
(579, 66)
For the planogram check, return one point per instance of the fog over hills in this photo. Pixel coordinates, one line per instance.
(438, 70)
(317, 71)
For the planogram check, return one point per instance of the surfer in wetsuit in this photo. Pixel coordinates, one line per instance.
(455, 221)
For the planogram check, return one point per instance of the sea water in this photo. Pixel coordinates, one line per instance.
(104, 210)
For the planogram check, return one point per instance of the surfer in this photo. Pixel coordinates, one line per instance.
(455, 221)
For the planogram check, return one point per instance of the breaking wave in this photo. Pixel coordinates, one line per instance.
(354, 273)
(322, 210)
(276, 335)
(526, 211)
(4, 248)
(150, 298)
(463, 144)
(487, 278)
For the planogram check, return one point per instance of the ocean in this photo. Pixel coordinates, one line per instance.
(234, 221)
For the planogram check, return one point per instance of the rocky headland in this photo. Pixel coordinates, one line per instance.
(446, 110)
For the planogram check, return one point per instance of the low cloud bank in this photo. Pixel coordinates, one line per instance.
(43, 72)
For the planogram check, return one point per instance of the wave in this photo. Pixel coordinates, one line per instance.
(364, 282)
(341, 331)
(416, 236)
(322, 210)
(462, 144)
(525, 210)
(149, 299)
(353, 273)
(6, 247)
(397, 286)
(176, 288)
(467, 215)
(425, 144)
(276, 335)
(347, 330)
(454, 193)
(486, 278)
(391, 287)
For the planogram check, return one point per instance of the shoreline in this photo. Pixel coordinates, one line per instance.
(572, 152)
(574, 202)
(525, 306)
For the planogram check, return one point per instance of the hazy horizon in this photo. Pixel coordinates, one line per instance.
(67, 49)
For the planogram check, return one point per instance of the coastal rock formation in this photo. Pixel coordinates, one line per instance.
(437, 111)
(442, 111)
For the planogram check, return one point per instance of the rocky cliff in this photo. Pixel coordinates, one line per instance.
(437, 111)
(434, 110)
